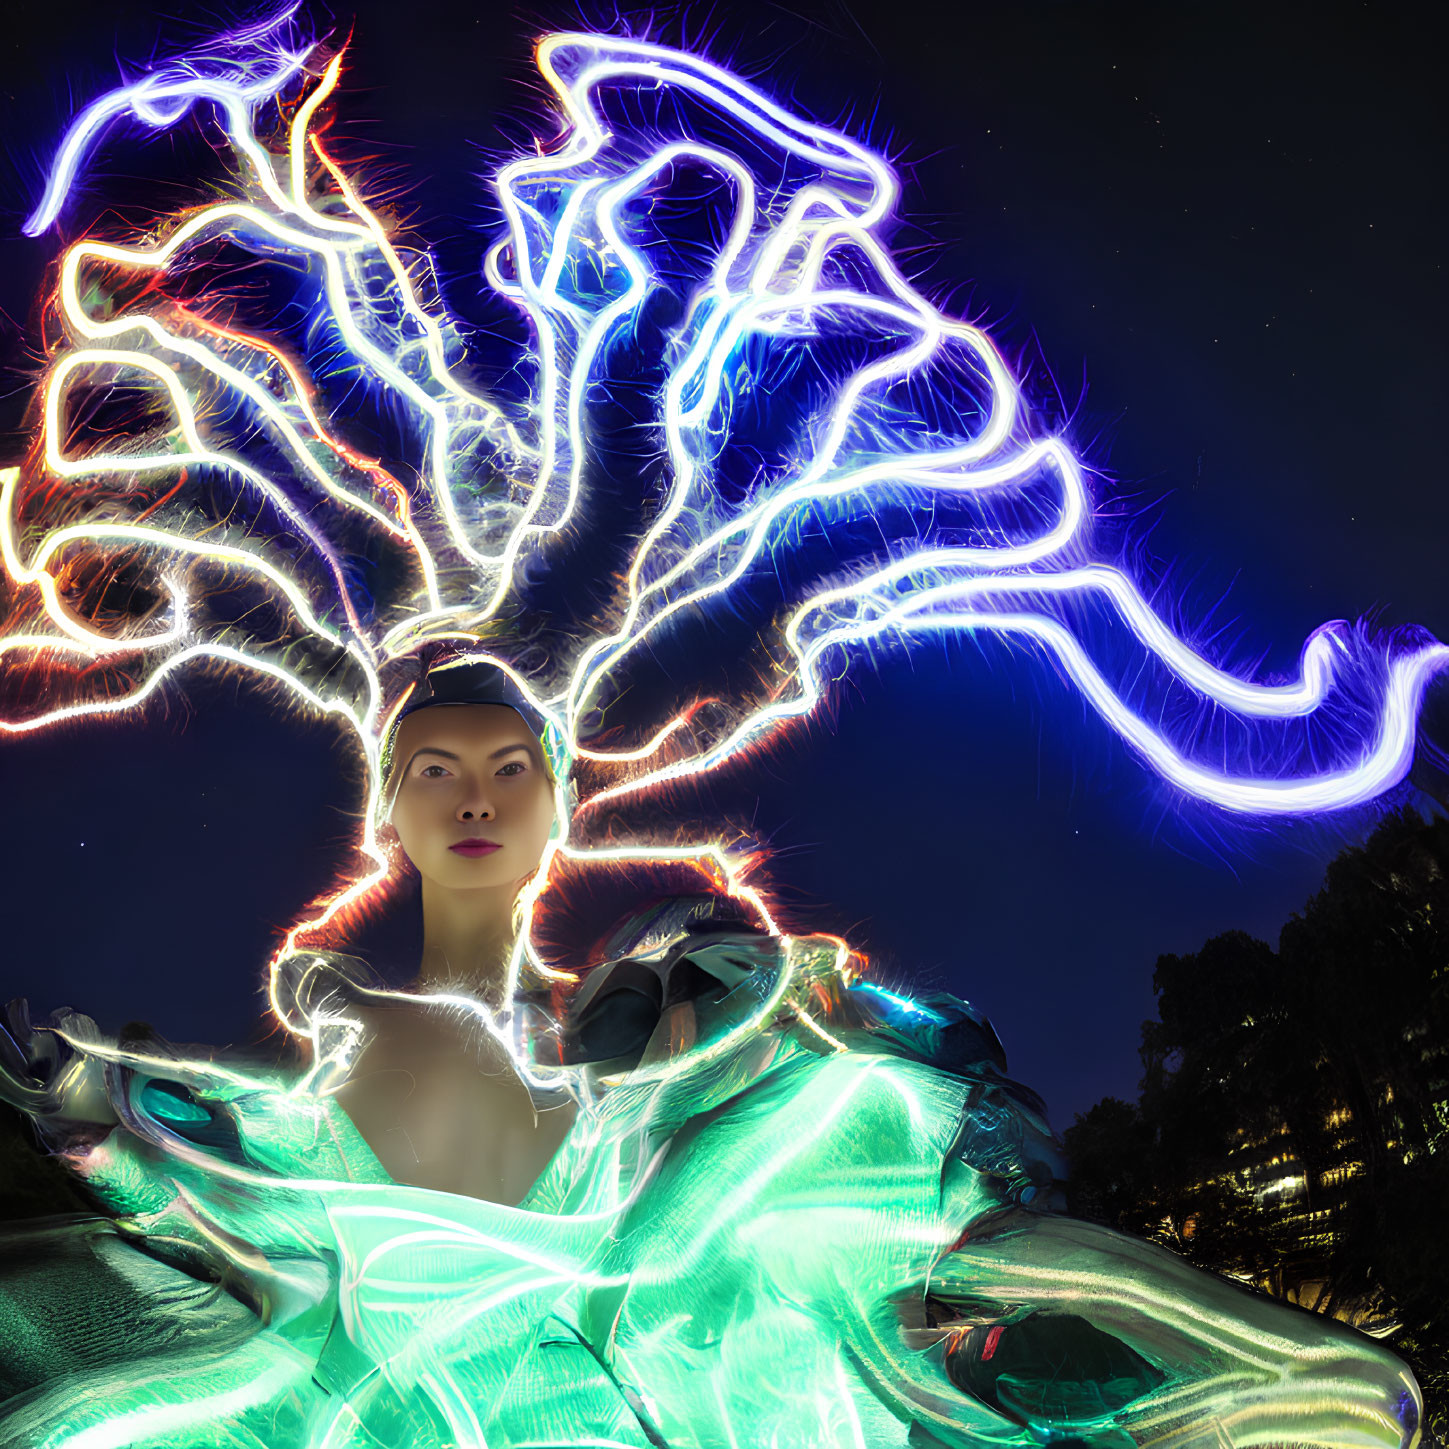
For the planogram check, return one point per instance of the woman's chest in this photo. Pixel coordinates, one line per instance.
(450, 1115)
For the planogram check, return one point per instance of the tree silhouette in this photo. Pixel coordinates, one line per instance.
(1293, 1124)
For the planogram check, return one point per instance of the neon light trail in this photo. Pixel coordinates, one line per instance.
(862, 1250)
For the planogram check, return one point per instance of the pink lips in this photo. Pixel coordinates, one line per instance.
(475, 847)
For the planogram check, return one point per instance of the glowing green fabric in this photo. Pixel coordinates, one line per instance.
(757, 1236)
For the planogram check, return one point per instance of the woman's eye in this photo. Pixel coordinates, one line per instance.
(427, 772)
(513, 767)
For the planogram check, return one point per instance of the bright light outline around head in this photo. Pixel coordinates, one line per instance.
(798, 258)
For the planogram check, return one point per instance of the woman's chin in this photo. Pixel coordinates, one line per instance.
(459, 873)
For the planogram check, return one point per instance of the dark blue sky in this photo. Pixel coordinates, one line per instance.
(1217, 227)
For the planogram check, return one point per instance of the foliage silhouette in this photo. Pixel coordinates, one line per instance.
(1293, 1123)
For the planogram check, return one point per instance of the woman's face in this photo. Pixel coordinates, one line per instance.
(472, 802)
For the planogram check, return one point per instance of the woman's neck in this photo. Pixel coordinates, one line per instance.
(467, 939)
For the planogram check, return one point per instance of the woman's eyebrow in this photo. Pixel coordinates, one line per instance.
(449, 755)
(509, 749)
(429, 750)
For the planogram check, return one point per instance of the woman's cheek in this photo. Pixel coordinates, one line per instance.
(411, 831)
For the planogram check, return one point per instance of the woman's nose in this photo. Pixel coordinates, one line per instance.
(474, 805)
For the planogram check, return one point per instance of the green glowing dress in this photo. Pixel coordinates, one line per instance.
(798, 1213)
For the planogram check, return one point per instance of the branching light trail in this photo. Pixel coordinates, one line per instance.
(915, 422)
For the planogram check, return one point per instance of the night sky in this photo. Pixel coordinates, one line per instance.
(1211, 235)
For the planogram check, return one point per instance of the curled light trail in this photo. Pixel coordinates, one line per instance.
(682, 565)
(243, 68)
(978, 523)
